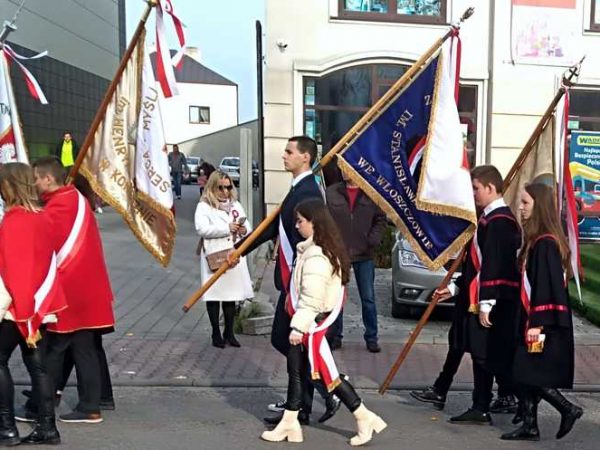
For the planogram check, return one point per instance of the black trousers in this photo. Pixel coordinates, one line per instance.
(87, 365)
(106, 391)
(41, 381)
(483, 381)
(298, 365)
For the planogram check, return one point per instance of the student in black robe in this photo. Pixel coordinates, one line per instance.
(544, 311)
(485, 321)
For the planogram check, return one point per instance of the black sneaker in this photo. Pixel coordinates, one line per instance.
(23, 414)
(277, 407)
(504, 405)
(430, 395)
(472, 417)
(80, 417)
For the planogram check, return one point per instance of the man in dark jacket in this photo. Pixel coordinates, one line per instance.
(361, 223)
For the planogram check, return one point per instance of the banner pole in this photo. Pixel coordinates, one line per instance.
(568, 81)
(358, 128)
(110, 92)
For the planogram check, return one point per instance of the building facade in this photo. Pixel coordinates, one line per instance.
(207, 101)
(330, 63)
(84, 41)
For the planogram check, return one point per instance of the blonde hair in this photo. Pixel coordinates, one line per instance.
(17, 186)
(209, 195)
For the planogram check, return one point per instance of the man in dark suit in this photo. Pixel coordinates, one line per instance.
(299, 155)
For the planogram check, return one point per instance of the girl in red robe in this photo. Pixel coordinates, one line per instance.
(31, 297)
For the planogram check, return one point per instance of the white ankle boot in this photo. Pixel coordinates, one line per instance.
(366, 423)
(289, 428)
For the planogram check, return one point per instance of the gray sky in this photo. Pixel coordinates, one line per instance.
(224, 32)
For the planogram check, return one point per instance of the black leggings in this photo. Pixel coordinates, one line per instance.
(297, 367)
(228, 315)
(41, 382)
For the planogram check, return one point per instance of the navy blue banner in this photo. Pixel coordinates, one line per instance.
(380, 159)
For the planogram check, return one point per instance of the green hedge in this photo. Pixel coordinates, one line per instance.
(590, 287)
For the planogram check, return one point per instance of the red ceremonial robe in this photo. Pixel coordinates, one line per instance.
(80, 263)
(28, 269)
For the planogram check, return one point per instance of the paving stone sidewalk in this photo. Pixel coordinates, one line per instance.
(155, 343)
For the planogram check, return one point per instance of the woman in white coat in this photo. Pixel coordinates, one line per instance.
(220, 221)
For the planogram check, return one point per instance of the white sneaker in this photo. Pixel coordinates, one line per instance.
(276, 407)
(99, 210)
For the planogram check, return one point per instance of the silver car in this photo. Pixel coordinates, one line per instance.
(231, 166)
(190, 175)
(412, 283)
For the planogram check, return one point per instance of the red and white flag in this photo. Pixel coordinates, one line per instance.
(164, 62)
(12, 142)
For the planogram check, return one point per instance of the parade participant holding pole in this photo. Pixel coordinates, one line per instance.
(33, 295)
(81, 264)
(544, 358)
(316, 296)
(486, 317)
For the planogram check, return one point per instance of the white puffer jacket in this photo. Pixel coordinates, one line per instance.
(318, 288)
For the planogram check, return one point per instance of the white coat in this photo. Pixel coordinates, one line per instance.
(212, 225)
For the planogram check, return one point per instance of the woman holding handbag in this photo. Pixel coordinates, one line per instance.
(544, 359)
(220, 221)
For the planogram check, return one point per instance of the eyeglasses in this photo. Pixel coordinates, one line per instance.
(226, 188)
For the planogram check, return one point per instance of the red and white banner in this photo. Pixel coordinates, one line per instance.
(164, 62)
(12, 142)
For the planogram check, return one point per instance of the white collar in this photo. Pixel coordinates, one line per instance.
(301, 177)
(498, 203)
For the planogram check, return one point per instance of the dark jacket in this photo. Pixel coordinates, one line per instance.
(307, 188)
(362, 228)
(58, 150)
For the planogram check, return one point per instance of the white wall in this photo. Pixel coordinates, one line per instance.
(317, 42)
(222, 101)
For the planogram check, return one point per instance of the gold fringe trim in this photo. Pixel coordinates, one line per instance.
(334, 384)
(474, 309)
(435, 264)
(385, 108)
(438, 208)
(315, 375)
(163, 259)
(33, 340)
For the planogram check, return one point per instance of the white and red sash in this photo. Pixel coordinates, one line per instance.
(320, 358)
(74, 241)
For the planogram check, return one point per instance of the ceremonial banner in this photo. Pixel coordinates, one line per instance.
(411, 161)
(12, 142)
(114, 160)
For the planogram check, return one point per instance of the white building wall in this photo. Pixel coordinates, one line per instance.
(221, 99)
(318, 42)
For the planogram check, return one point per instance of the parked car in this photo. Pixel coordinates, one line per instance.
(412, 282)
(191, 175)
(231, 165)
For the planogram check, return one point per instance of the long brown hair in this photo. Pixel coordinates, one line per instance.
(17, 186)
(326, 235)
(544, 220)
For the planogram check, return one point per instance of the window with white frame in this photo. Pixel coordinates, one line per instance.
(419, 11)
(595, 15)
(199, 114)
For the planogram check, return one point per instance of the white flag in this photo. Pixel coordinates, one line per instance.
(12, 143)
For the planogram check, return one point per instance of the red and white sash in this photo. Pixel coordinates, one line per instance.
(74, 241)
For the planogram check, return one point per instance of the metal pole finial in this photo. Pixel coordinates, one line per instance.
(468, 13)
(571, 75)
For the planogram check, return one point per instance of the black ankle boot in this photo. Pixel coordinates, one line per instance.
(569, 412)
(44, 432)
(231, 340)
(529, 430)
(9, 435)
(217, 340)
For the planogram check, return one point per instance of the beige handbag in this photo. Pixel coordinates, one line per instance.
(215, 259)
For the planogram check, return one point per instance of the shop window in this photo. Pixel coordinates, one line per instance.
(335, 102)
(583, 110)
(199, 114)
(420, 11)
(595, 16)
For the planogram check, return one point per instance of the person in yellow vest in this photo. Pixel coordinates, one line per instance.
(67, 150)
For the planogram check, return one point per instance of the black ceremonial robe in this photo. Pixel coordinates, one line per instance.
(549, 308)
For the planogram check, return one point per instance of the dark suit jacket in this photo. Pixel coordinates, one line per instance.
(307, 188)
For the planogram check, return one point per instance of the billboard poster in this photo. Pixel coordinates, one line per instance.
(584, 162)
(545, 32)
